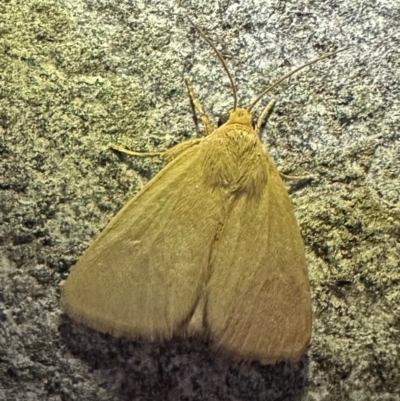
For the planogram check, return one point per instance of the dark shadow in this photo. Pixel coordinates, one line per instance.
(180, 369)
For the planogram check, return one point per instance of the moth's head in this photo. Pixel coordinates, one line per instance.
(240, 116)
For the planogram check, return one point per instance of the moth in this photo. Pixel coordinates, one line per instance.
(209, 246)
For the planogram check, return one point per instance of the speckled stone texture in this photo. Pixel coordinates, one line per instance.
(77, 75)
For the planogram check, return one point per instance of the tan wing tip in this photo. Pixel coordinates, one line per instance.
(271, 358)
(268, 352)
(91, 319)
(115, 331)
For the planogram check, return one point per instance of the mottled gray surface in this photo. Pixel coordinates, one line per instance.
(76, 75)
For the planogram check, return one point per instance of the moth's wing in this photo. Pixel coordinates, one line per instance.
(143, 275)
(259, 303)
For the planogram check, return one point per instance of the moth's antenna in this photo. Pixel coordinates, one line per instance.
(259, 97)
(221, 59)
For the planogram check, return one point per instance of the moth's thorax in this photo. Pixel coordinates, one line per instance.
(235, 159)
(239, 116)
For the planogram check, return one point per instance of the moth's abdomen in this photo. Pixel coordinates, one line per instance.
(236, 160)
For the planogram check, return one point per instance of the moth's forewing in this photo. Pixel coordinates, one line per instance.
(143, 275)
(259, 303)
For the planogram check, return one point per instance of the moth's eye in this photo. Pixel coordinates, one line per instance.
(223, 119)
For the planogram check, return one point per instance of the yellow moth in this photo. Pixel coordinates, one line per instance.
(210, 246)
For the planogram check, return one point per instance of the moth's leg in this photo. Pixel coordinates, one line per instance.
(264, 116)
(195, 118)
(133, 153)
(196, 102)
(172, 153)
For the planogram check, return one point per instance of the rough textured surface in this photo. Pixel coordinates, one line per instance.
(75, 76)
